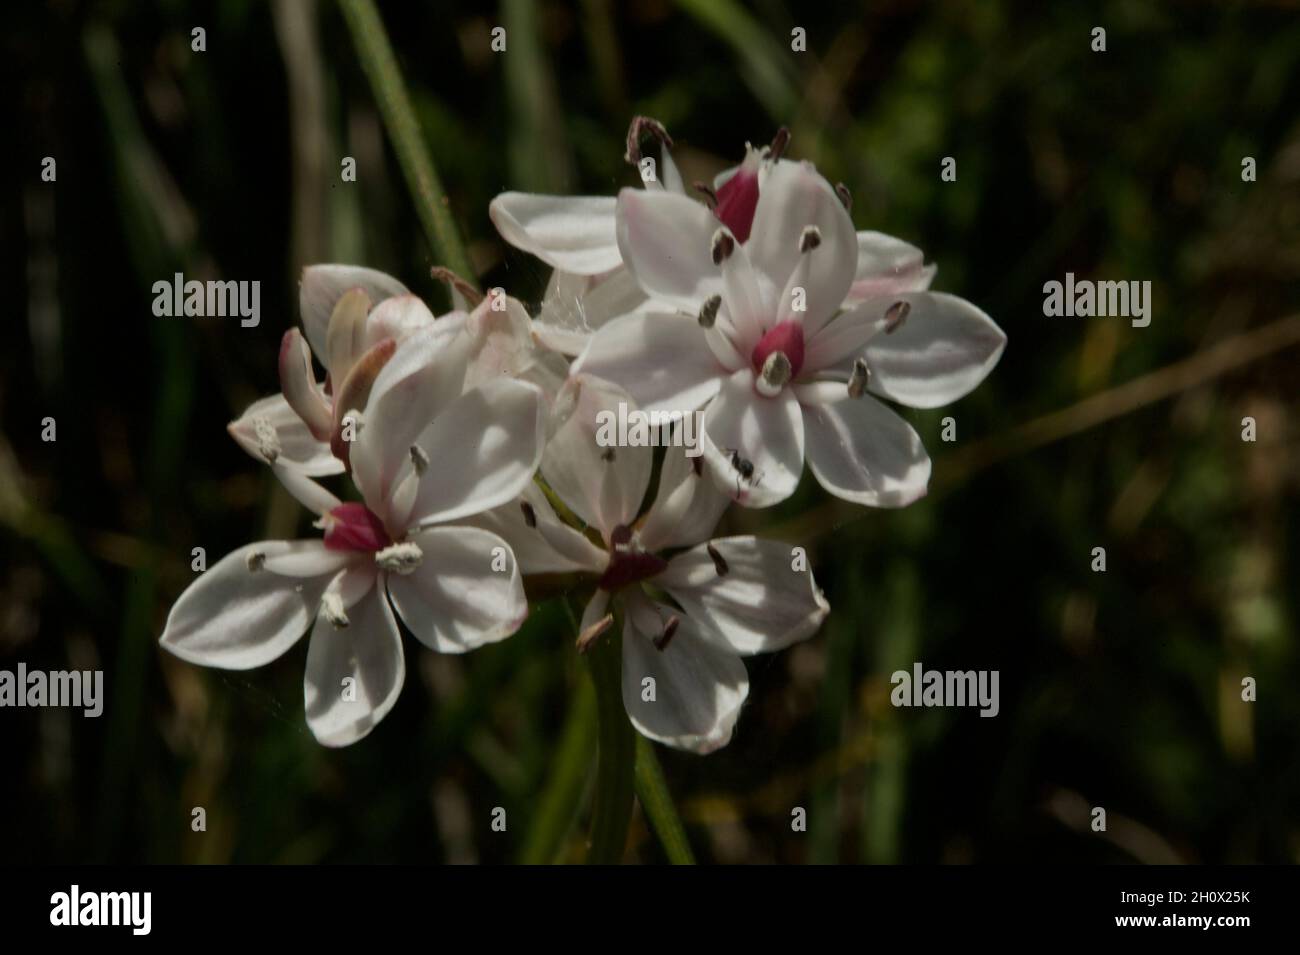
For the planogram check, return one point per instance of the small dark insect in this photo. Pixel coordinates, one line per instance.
(744, 469)
(530, 516)
(719, 562)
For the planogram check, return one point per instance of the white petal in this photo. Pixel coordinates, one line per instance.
(664, 361)
(666, 241)
(887, 266)
(792, 196)
(573, 233)
(483, 451)
(422, 378)
(546, 545)
(294, 446)
(766, 432)
(603, 484)
(321, 288)
(748, 312)
(305, 491)
(237, 618)
(687, 505)
(354, 673)
(844, 338)
(467, 591)
(944, 349)
(698, 688)
(402, 316)
(576, 306)
(863, 452)
(761, 603)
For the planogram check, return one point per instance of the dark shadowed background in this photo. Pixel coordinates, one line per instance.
(1119, 689)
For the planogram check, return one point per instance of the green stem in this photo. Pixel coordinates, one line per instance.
(657, 803)
(558, 805)
(612, 813)
(376, 55)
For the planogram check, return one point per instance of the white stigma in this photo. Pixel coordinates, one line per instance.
(776, 372)
(400, 558)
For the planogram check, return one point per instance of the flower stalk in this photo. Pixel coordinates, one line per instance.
(612, 812)
(657, 804)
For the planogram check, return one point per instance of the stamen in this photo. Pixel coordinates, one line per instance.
(530, 516)
(710, 197)
(846, 197)
(776, 372)
(471, 295)
(719, 563)
(810, 238)
(670, 628)
(419, 460)
(896, 315)
(709, 311)
(779, 142)
(256, 560)
(332, 606)
(400, 558)
(858, 378)
(639, 127)
(590, 635)
(268, 439)
(722, 247)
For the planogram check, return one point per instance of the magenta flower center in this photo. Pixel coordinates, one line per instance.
(628, 566)
(786, 337)
(737, 200)
(354, 526)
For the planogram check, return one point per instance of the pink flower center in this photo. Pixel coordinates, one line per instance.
(737, 200)
(786, 337)
(628, 566)
(354, 526)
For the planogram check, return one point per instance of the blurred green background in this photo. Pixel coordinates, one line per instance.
(1119, 690)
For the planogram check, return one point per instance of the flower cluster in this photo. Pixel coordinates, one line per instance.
(472, 440)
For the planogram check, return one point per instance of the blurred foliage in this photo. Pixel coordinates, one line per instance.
(1119, 690)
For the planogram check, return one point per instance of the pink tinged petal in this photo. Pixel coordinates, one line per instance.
(887, 266)
(298, 385)
(482, 451)
(863, 452)
(577, 306)
(466, 592)
(795, 196)
(748, 313)
(240, 614)
(345, 338)
(665, 361)
(603, 484)
(353, 394)
(668, 172)
(737, 200)
(698, 689)
(943, 350)
(354, 673)
(666, 242)
(272, 432)
(353, 526)
(573, 233)
(423, 377)
(687, 506)
(542, 543)
(766, 433)
(321, 288)
(402, 316)
(305, 491)
(751, 600)
(805, 300)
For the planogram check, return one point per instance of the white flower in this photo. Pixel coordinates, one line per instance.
(734, 596)
(425, 455)
(779, 368)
